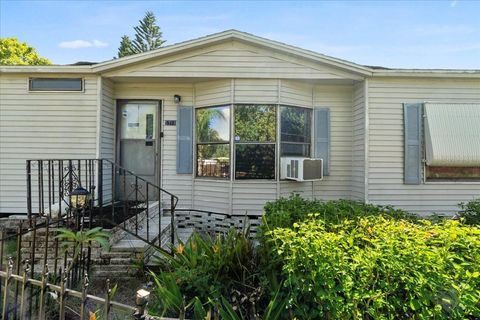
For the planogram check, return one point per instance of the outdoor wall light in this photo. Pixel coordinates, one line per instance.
(177, 98)
(79, 198)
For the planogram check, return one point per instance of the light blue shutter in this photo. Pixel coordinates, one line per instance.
(322, 137)
(184, 139)
(412, 115)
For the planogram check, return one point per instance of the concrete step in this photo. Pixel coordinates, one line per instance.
(130, 245)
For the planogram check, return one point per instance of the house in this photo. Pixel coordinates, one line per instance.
(211, 119)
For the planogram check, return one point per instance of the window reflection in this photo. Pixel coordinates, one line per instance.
(255, 161)
(213, 124)
(295, 131)
(255, 123)
(213, 147)
(213, 160)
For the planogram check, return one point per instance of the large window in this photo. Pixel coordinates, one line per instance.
(255, 132)
(56, 84)
(213, 141)
(254, 139)
(296, 131)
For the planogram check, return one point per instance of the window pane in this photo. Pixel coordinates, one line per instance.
(255, 123)
(213, 160)
(255, 161)
(138, 121)
(55, 84)
(295, 149)
(213, 124)
(295, 124)
(453, 173)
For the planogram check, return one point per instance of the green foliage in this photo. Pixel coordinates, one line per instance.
(470, 212)
(375, 267)
(214, 276)
(147, 37)
(255, 123)
(286, 211)
(76, 241)
(14, 52)
(125, 48)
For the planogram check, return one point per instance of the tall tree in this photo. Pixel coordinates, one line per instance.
(125, 48)
(147, 37)
(14, 52)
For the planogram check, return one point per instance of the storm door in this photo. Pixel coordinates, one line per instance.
(139, 144)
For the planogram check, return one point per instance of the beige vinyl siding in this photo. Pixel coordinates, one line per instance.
(232, 59)
(211, 195)
(358, 164)
(256, 91)
(249, 197)
(107, 121)
(339, 99)
(386, 96)
(107, 134)
(178, 184)
(41, 125)
(213, 93)
(295, 93)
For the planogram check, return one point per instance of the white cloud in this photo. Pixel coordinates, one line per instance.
(453, 3)
(78, 44)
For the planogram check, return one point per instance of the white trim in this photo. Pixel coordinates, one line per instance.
(366, 140)
(228, 36)
(99, 116)
(46, 69)
(427, 73)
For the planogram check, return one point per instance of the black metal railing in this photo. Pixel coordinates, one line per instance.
(117, 196)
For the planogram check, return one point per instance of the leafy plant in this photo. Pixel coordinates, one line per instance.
(470, 212)
(77, 241)
(379, 268)
(206, 272)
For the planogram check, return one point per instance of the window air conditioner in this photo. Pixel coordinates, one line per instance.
(301, 169)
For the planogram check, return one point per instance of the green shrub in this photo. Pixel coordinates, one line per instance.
(286, 211)
(379, 268)
(470, 212)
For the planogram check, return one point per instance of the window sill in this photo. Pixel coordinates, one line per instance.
(211, 179)
(452, 182)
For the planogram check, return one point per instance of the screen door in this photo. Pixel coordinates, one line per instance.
(139, 141)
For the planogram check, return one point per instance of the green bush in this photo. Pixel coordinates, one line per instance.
(286, 211)
(379, 268)
(470, 212)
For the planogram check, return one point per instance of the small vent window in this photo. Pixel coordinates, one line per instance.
(56, 84)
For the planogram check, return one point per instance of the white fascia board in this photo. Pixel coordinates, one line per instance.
(46, 69)
(427, 73)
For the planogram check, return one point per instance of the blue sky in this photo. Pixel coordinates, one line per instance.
(404, 34)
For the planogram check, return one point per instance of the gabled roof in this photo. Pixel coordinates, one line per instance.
(232, 35)
(249, 39)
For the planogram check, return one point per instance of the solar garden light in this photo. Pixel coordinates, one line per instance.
(141, 301)
(79, 198)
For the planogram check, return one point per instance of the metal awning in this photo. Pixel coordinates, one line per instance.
(452, 134)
